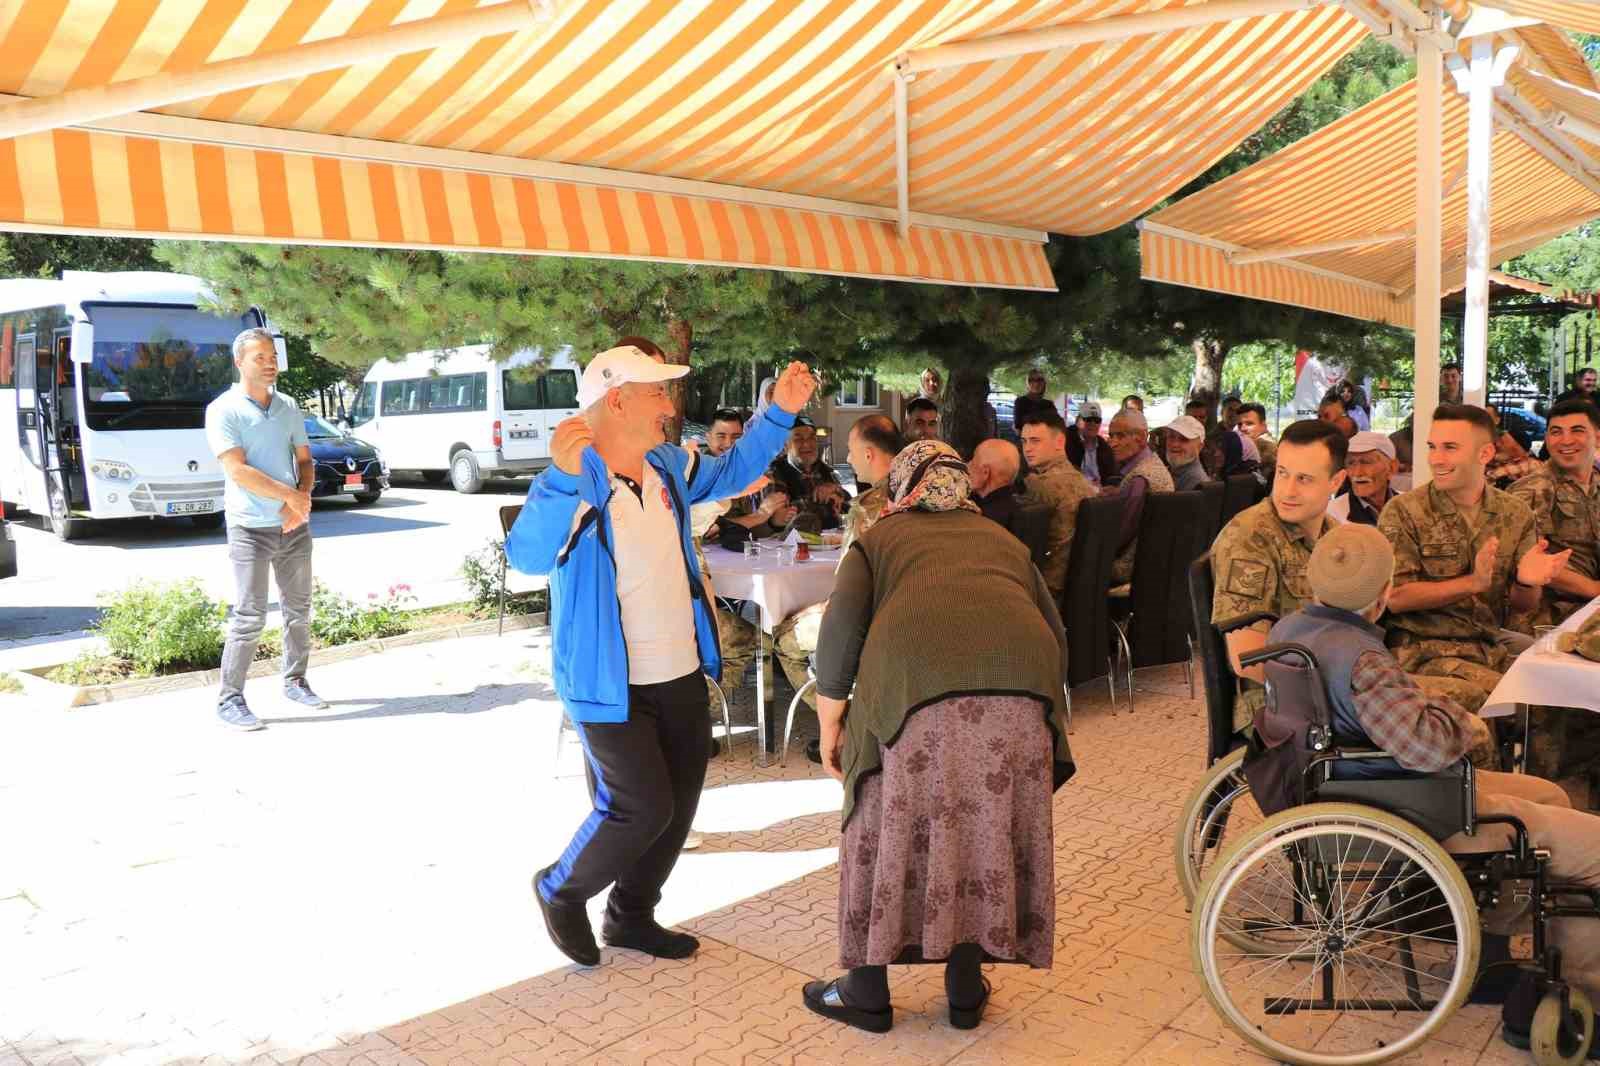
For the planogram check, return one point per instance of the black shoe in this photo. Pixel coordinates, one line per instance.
(814, 751)
(969, 1017)
(568, 927)
(1516, 1016)
(648, 936)
(824, 998)
(716, 747)
(1498, 972)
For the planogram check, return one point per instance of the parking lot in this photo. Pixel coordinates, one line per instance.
(416, 534)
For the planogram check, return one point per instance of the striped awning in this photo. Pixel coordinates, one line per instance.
(751, 133)
(1329, 222)
(1580, 15)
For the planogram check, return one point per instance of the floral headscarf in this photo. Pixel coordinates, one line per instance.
(929, 476)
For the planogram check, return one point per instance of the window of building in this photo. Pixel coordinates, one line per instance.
(858, 392)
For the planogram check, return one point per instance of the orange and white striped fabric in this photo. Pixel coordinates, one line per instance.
(792, 97)
(1579, 15)
(1356, 178)
(110, 183)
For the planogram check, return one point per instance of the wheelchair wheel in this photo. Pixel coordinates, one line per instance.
(1219, 811)
(1377, 946)
(1555, 1044)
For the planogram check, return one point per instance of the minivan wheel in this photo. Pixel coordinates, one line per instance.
(464, 472)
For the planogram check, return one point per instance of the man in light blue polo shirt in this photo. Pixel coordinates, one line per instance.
(259, 437)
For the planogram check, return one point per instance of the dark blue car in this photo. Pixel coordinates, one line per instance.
(345, 464)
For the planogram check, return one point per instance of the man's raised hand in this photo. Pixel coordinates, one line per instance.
(794, 388)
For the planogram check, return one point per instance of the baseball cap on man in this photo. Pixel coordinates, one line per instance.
(1350, 566)
(1089, 409)
(1187, 427)
(616, 367)
(1368, 441)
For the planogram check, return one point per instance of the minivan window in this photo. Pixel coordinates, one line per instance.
(560, 389)
(525, 389)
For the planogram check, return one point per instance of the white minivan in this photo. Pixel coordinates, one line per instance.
(458, 412)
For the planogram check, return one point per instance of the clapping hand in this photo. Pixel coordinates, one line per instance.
(1537, 568)
(794, 388)
(1483, 565)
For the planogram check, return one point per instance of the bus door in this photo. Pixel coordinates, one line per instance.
(30, 427)
(64, 422)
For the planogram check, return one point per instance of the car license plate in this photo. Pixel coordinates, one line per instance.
(353, 481)
(192, 507)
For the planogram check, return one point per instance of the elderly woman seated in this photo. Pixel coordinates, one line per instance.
(939, 674)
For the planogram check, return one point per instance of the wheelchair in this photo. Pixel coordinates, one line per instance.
(1338, 930)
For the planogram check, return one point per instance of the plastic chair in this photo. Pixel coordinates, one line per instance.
(508, 518)
(1084, 609)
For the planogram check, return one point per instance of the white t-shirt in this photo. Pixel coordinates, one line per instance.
(652, 584)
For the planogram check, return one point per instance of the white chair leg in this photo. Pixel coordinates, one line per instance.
(1126, 654)
(727, 723)
(1066, 690)
(788, 725)
(1188, 667)
(1111, 681)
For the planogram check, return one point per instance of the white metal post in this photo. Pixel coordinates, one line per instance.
(902, 151)
(1480, 134)
(1425, 295)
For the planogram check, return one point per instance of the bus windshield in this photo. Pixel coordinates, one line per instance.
(157, 367)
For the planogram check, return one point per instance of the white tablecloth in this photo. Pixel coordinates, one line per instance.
(1542, 675)
(779, 590)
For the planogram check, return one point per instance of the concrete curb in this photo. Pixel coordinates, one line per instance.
(64, 697)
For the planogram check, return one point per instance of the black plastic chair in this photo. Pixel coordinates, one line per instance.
(1213, 493)
(1172, 532)
(1085, 612)
(1238, 492)
(1216, 672)
(1031, 525)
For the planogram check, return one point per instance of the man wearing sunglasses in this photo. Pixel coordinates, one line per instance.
(1090, 452)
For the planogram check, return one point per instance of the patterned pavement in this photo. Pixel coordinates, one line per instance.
(355, 892)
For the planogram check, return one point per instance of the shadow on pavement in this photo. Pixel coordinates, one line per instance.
(479, 699)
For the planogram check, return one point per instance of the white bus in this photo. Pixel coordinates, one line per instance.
(104, 382)
(457, 412)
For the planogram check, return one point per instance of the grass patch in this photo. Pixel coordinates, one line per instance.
(10, 686)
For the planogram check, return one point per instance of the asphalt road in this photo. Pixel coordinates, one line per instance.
(416, 534)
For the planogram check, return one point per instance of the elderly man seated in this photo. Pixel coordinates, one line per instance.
(1371, 698)
(1184, 438)
(807, 483)
(994, 467)
(1142, 472)
(1370, 465)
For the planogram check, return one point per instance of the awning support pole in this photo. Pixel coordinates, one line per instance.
(902, 150)
(1425, 296)
(1288, 251)
(1485, 72)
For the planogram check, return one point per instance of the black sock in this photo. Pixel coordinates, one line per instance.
(963, 975)
(866, 987)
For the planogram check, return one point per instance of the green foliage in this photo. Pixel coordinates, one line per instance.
(337, 619)
(46, 255)
(482, 573)
(158, 628)
(9, 685)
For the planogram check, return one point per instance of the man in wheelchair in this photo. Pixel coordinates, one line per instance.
(1372, 703)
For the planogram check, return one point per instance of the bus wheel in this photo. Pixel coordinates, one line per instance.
(64, 525)
(464, 473)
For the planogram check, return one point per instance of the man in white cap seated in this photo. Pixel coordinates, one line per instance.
(1087, 449)
(632, 632)
(1371, 466)
(1372, 702)
(1185, 436)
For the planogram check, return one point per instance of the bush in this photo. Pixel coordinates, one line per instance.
(337, 619)
(481, 571)
(159, 627)
(90, 668)
(9, 685)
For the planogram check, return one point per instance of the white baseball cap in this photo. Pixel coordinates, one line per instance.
(1088, 409)
(616, 367)
(1368, 441)
(1187, 427)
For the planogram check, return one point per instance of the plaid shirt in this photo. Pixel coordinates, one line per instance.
(1422, 732)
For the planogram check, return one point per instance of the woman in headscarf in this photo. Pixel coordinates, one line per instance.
(939, 684)
(763, 400)
(1234, 459)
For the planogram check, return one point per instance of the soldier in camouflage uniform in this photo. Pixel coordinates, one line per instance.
(1564, 495)
(1466, 556)
(1053, 480)
(874, 442)
(1258, 561)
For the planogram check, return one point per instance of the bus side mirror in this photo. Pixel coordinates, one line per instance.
(282, 350)
(82, 341)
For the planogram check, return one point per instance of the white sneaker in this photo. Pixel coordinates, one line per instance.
(693, 841)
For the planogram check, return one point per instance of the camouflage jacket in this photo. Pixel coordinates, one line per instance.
(1062, 486)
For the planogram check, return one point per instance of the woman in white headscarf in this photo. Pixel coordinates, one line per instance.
(763, 400)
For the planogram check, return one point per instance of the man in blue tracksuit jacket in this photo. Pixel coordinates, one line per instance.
(632, 633)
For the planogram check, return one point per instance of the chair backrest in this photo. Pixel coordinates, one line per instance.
(1030, 523)
(1238, 492)
(1221, 684)
(1085, 610)
(508, 517)
(1172, 532)
(1213, 493)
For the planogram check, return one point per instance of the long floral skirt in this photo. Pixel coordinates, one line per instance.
(952, 842)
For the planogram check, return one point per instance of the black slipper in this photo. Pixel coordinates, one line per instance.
(969, 1017)
(822, 997)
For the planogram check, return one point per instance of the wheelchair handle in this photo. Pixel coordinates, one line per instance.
(1273, 652)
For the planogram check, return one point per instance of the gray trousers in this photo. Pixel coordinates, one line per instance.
(253, 552)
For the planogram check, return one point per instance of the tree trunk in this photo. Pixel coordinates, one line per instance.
(965, 418)
(680, 340)
(1209, 356)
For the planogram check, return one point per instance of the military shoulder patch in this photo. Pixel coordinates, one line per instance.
(1246, 577)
